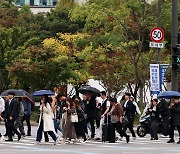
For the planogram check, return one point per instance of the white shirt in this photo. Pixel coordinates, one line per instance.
(2, 104)
(125, 104)
(107, 103)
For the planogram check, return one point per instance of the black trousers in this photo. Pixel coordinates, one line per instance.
(12, 129)
(153, 129)
(26, 118)
(130, 126)
(91, 121)
(172, 128)
(79, 128)
(166, 127)
(98, 118)
(116, 126)
(6, 127)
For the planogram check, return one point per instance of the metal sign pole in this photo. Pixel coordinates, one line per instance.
(174, 34)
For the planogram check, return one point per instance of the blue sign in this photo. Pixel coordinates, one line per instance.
(163, 68)
(157, 73)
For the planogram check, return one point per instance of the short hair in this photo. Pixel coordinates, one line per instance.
(127, 94)
(155, 100)
(103, 93)
(59, 95)
(114, 100)
(11, 93)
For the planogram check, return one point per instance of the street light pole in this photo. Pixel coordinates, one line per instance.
(174, 34)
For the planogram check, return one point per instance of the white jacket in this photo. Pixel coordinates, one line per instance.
(47, 115)
(137, 108)
(2, 105)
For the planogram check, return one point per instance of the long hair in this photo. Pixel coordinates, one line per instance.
(77, 103)
(70, 100)
(46, 99)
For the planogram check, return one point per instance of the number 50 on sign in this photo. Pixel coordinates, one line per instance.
(157, 34)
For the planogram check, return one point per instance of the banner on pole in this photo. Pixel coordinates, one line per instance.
(163, 69)
(154, 78)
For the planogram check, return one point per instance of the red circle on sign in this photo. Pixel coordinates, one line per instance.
(157, 34)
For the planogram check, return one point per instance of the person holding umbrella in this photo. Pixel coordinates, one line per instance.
(46, 121)
(12, 116)
(175, 120)
(90, 105)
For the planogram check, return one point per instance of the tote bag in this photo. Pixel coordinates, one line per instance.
(74, 117)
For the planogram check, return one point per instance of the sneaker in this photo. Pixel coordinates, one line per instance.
(163, 136)
(112, 141)
(57, 141)
(37, 143)
(178, 142)
(1, 138)
(97, 139)
(171, 141)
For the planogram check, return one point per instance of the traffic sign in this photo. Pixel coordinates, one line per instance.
(157, 34)
(156, 45)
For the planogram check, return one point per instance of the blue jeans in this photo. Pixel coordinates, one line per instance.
(40, 130)
(56, 125)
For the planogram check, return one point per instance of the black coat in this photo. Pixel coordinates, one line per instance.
(176, 114)
(13, 109)
(155, 114)
(164, 108)
(90, 108)
(129, 109)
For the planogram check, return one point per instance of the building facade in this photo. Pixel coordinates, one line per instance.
(41, 3)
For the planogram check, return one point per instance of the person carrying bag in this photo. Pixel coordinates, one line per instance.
(116, 114)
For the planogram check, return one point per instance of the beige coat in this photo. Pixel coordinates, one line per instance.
(47, 115)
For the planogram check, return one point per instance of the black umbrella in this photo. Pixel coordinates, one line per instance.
(17, 93)
(86, 89)
(27, 95)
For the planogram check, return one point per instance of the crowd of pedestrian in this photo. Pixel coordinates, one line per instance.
(68, 119)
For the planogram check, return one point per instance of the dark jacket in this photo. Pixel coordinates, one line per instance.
(129, 109)
(90, 107)
(164, 108)
(118, 111)
(176, 114)
(59, 109)
(13, 109)
(155, 114)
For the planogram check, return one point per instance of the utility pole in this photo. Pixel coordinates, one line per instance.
(174, 35)
(159, 25)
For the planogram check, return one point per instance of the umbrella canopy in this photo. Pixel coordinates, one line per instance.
(27, 95)
(43, 92)
(85, 89)
(17, 93)
(169, 94)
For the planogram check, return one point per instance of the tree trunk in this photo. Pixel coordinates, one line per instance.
(141, 95)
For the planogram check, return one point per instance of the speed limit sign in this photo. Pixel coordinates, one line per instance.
(157, 34)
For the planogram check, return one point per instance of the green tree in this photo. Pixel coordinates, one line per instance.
(120, 27)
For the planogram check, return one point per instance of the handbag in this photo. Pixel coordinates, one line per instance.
(74, 117)
(125, 121)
